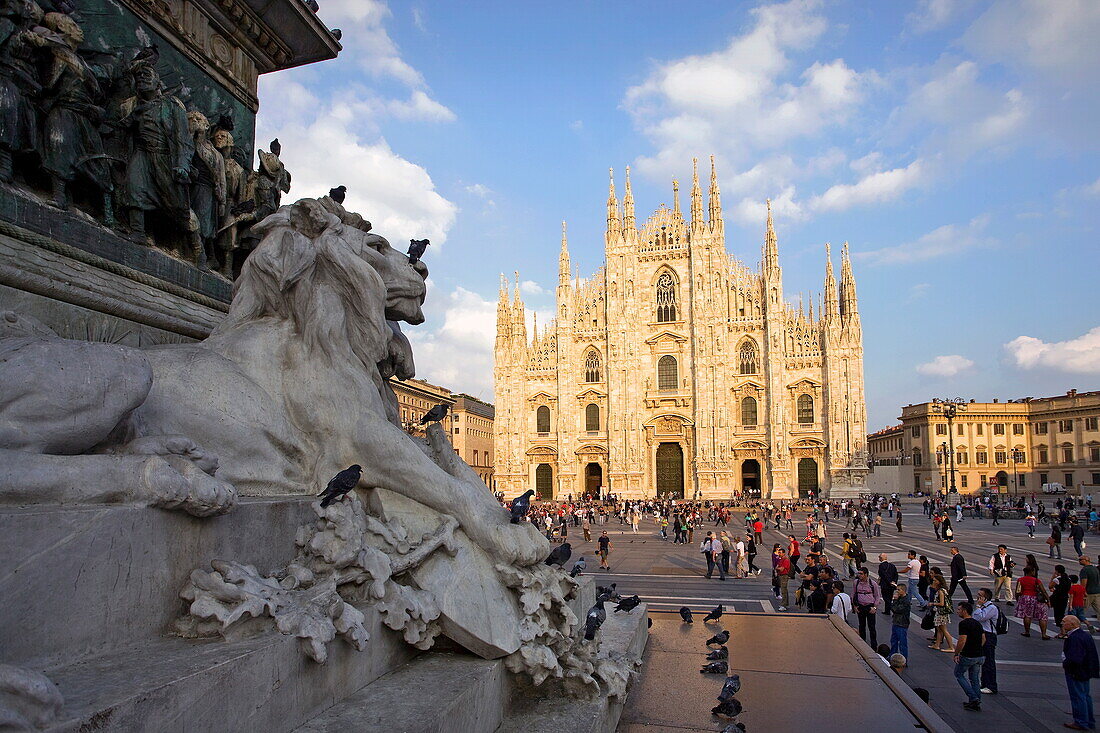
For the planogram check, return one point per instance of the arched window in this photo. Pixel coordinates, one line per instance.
(592, 367)
(592, 417)
(747, 357)
(666, 373)
(542, 419)
(666, 298)
(805, 409)
(748, 411)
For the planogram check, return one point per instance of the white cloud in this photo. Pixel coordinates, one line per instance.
(945, 366)
(419, 20)
(459, 353)
(576, 125)
(1093, 189)
(933, 14)
(950, 239)
(530, 287)
(419, 106)
(1078, 356)
(873, 188)
(918, 291)
(746, 97)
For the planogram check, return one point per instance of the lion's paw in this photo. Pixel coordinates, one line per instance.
(177, 483)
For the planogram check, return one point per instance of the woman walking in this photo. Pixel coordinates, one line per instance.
(1032, 602)
(941, 614)
(1059, 596)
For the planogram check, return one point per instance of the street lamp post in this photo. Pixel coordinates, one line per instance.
(942, 453)
(949, 408)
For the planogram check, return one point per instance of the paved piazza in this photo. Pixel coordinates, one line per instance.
(1032, 693)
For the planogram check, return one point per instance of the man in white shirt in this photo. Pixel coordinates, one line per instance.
(912, 578)
(741, 567)
(842, 602)
(986, 614)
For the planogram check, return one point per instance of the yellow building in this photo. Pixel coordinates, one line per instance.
(678, 371)
(472, 434)
(1017, 445)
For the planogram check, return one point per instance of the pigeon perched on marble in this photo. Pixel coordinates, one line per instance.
(730, 708)
(578, 567)
(337, 194)
(560, 555)
(340, 484)
(715, 614)
(731, 687)
(594, 620)
(685, 614)
(416, 249)
(719, 667)
(720, 653)
(628, 604)
(435, 414)
(719, 639)
(521, 505)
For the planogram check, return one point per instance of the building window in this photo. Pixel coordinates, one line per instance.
(456, 431)
(1094, 455)
(1067, 454)
(983, 479)
(959, 429)
(592, 418)
(542, 419)
(981, 429)
(916, 459)
(1065, 426)
(748, 411)
(1000, 456)
(666, 298)
(1017, 428)
(1043, 455)
(916, 483)
(1067, 480)
(666, 373)
(1095, 479)
(941, 429)
(805, 409)
(999, 428)
(1040, 428)
(960, 457)
(916, 431)
(747, 357)
(1043, 478)
(592, 367)
(1090, 423)
(475, 458)
(962, 478)
(939, 457)
(981, 457)
(1021, 480)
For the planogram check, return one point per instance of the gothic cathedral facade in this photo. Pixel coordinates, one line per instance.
(676, 371)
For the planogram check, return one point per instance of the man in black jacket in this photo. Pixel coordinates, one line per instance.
(1077, 534)
(1081, 665)
(958, 575)
(887, 581)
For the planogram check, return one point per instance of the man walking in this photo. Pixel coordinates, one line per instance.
(604, 545)
(887, 578)
(1077, 534)
(741, 559)
(866, 595)
(995, 512)
(968, 657)
(711, 548)
(900, 607)
(912, 578)
(1079, 660)
(847, 553)
(1090, 578)
(1000, 568)
(782, 577)
(1055, 540)
(958, 575)
(986, 614)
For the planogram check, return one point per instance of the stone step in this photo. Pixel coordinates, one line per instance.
(434, 693)
(622, 633)
(265, 682)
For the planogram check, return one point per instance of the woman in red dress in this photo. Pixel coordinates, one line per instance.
(1032, 602)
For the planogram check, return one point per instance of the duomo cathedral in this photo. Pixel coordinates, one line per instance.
(676, 371)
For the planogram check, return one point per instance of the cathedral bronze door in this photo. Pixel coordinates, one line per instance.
(670, 471)
(593, 480)
(750, 478)
(807, 478)
(544, 482)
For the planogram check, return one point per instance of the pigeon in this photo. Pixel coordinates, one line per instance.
(578, 567)
(416, 249)
(628, 604)
(560, 555)
(719, 667)
(607, 594)
(341, 484)
(275, 147)
(312, 5)
(435, 414)
(719, 639)
(730, 708)
(685, 614)
(719, 653)
(595, 618)
(337, 194)
(648, 622)
(715, 614)
(148, 55)
(521, 505)
(336, 33)
(730, 688)
(733, 727)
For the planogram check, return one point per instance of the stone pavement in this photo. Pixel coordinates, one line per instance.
(1032, 687)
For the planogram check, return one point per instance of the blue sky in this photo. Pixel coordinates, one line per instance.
(953, 143)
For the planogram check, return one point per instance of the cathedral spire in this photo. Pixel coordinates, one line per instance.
(628, 203)
(848, 304)
(563, 259)
(832, 307)
(771, 243)
(614, 226)
(504, 313)
(676, 199)
(696, 195)
(715, 208)
(519, 316)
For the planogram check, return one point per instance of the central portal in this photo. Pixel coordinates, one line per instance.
(670, 471)
(593, 480)
(750, 478)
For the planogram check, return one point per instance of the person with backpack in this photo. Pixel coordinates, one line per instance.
(866, 596)
(847, 552)
(993, 623)
(900, 607)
